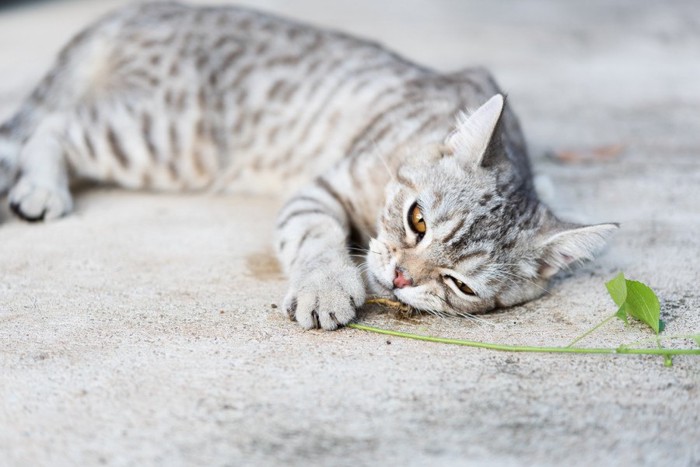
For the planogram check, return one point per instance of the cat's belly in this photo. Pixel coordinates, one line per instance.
(141, 148)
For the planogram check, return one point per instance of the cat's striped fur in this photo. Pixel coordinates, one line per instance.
(172, 97)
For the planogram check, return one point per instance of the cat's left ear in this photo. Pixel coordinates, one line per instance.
(566, 244)
(477, 137)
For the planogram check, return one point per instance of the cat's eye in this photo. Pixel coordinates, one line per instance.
(416, 221)
(464, 288)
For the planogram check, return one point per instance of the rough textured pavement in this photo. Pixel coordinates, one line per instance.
(142, 330)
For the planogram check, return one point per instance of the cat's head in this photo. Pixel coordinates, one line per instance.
(463, 231)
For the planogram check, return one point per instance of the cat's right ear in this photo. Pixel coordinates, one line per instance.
(477, 137)
(561, 245)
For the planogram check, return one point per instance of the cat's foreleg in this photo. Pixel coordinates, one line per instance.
(325, 287)
(41, 193)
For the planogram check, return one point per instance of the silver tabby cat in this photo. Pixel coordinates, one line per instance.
(374, 148)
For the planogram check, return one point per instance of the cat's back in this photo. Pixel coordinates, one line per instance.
(209, 34)
(246, 92)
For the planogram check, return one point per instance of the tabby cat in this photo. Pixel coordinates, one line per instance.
(374, 148)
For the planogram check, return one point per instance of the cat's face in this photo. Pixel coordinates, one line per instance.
(462, 233)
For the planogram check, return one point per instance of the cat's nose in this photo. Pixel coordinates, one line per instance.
(401, 281)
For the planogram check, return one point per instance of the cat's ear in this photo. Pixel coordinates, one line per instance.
(477, 137)
(565, 244)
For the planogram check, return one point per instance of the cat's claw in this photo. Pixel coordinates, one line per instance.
(325, 299)
(33, 202)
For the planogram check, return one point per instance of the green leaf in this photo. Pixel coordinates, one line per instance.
(662, 325)
(636, 300)
(697, 339)
(617, 288)
(643, 304)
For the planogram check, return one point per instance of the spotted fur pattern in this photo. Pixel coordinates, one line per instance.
(166, 96)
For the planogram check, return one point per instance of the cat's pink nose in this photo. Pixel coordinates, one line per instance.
(401, 281)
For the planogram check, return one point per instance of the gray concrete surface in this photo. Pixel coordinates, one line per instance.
(141, 330)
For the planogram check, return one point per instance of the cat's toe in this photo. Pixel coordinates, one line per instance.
(324, 311)
(33, 202)
(327, 310)
(336, 310)
(290, 306)
(307, 310)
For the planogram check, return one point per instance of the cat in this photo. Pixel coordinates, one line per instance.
(377, 151)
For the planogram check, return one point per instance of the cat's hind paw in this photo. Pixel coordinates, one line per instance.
(325, 299)
(33, 202)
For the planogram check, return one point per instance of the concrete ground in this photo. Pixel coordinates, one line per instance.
(142, 329)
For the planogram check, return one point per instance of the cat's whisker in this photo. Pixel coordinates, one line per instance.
(434, 312)
(528, 280)
(357, 252)
(517, 276)
(476, 319)
(380, 156)
(511, 278)
(360, 257)
(356, 247)
(460, 314)
(362, 250)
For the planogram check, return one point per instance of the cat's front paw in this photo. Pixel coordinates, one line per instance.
(33, 202)
(325, 297)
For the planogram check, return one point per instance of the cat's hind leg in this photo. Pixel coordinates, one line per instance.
(42, 193)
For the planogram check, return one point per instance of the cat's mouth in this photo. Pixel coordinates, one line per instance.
(379, 287)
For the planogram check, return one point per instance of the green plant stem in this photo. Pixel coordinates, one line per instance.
(660, 337)
(592, 330)
(525, 348)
